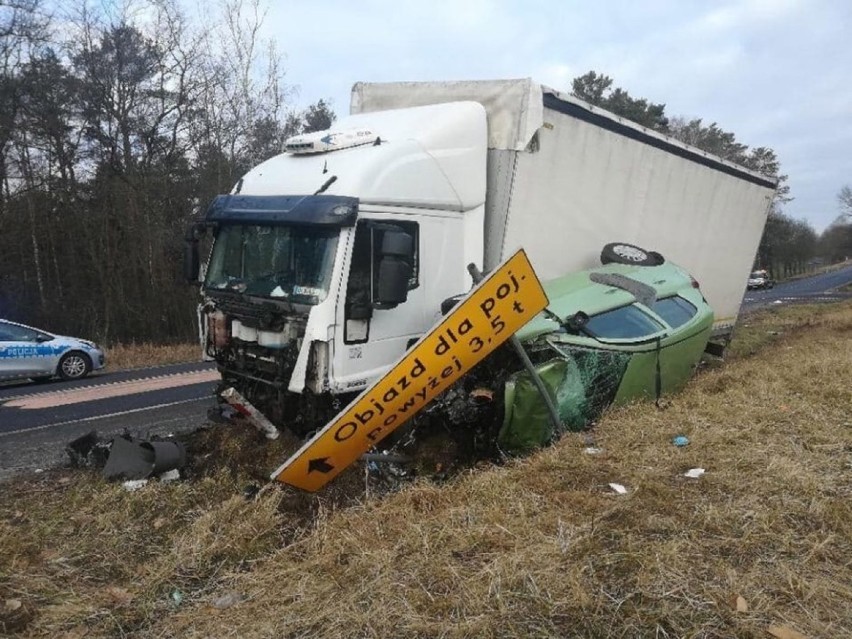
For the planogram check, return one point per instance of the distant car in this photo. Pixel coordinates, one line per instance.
(760, 280)
(610, 335)
(31, 353)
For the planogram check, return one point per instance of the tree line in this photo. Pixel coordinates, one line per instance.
(117, 125)
(788, 246)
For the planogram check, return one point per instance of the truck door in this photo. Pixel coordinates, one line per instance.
(376, 334)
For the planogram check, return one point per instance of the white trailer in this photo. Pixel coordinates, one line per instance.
(332, 258)
(565, 178)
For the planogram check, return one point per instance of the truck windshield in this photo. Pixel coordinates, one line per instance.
(292, 262)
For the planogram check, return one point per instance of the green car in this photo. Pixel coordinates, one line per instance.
(610, 335)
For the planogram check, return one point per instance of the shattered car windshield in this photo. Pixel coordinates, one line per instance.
(273, 261)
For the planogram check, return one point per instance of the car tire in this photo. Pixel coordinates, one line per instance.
(74, 365)
(623, 253)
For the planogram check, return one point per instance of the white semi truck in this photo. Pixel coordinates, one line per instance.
(331, 259)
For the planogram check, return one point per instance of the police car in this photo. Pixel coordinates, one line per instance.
(31, 353)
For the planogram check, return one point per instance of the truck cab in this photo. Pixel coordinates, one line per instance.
(315, 283)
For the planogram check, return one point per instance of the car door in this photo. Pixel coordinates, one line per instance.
(19, 352)
(687, 338)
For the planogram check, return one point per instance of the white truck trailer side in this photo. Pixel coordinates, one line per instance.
(332, 258)
(565, 178)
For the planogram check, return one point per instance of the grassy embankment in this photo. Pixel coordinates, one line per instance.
(539, 547)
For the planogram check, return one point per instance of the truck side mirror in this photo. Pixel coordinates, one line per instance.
(395, 269)
(191, 259)
(359, 311)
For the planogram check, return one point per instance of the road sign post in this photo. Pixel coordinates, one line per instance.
(489, 315)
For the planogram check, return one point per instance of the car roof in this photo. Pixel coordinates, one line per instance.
(32, 328)
(577, 292)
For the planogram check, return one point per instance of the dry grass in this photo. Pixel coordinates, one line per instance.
(540, 547)
(125, 356)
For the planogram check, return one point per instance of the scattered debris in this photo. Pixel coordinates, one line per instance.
(170, 475)
(139, 459)
(132, 485)
(482, 395)
(694, 473)
(177, 597)
(386, 457)
(242, 405)
(592, 450)
(88, 451)
(222, 413)
(12, 604)
(618, 488)
(680, 441)
(739, 604)
(127, 460)
(251, 491)
(227, 600)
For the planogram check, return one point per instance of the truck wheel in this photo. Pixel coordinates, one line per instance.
(623, 253)
(74, 365)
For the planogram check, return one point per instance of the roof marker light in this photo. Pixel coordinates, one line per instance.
(325, 141)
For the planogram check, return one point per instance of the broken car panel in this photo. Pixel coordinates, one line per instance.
(624, 347)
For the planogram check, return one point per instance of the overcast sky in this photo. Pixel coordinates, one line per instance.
(777, 73)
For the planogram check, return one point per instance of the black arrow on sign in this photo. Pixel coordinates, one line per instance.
(321, 464)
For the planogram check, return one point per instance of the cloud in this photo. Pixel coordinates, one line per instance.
(775, 72)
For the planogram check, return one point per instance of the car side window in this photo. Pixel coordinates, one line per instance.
(675, 311)
(626, 322)
(12, 333)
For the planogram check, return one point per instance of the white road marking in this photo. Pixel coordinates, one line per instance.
(91, 419)
(118, 389)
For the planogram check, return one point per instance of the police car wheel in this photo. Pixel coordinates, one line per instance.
(74, 365)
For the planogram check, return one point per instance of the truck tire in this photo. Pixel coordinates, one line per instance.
(623, 253)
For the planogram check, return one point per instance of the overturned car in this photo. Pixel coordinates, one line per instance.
(609, 335)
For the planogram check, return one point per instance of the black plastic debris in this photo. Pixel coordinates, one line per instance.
(222, 413)
(138, 459)
(88, 451)
(167, 456)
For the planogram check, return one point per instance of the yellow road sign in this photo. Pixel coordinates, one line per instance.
(490, 314)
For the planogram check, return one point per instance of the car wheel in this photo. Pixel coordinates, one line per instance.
(623, 253)
(74, 365)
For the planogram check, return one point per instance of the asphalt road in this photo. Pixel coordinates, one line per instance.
(819, 288)
(37, 421)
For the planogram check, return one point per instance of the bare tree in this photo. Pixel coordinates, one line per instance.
(844, 198)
